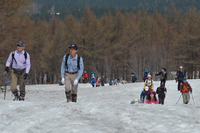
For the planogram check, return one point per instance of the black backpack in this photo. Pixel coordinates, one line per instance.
(78, 61)
(13, 56)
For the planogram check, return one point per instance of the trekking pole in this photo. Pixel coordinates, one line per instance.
(5, 86)
(178, 99)
(193, 98)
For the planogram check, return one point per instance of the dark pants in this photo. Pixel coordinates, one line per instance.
(162, 82)
(179, 84)
(161, 100)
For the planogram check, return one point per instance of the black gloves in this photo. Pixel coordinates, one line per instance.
(25, 76)
(7, 69)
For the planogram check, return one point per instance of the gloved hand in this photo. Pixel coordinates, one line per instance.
(7, 69)
(25, 76)
(75, 82)
(190, 92)
(63, 81)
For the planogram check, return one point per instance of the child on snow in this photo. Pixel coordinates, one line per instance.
(93, 81)
(149, 82)
(185, 88)
(161, 91)
(97, 83)
(144, 94)
(151, 98)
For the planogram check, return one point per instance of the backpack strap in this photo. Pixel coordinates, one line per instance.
(78, 62)
(66, 58)
(25, 55)
(13, 56)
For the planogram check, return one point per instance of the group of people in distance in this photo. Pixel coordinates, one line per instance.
(148, 95)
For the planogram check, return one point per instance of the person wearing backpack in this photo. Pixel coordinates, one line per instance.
(161, 91)
(149, 82)
(185, 89)
(71, 71)
(163, 76)
(146, 73)
(84, 77)
(180, 75)
(144, 93)
(20, 62)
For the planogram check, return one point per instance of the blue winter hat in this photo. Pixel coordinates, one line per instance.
(184, 79)
(74, 46)
(146, 70)
(20, 44)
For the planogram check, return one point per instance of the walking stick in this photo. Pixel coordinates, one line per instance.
(193, 98)
(178, 99)
(5, 85)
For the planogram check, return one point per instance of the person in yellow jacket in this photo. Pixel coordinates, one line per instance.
(149, 82)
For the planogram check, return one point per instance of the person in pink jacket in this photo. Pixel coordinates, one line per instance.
(151, 98)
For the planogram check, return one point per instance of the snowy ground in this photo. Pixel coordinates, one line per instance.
(99, 110)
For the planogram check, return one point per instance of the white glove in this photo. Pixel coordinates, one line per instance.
(63, 80)
(75, 82)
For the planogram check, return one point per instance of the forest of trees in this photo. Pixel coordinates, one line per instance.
(114, 45)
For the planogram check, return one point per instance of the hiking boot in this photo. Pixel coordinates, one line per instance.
(16, 98)
(74, 97)
(69, 100)
(21, 98)
(68, 96)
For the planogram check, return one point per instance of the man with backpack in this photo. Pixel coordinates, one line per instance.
(20, 61)
(71, 72)
(180, 75)
(185, 89)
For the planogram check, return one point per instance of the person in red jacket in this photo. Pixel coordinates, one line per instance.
(185, 88)
(84, 77)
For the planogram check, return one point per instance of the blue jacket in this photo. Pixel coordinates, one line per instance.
(180, 75)
(93, 81)
(143, 95)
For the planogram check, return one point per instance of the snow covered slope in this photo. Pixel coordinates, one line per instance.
(99, 110)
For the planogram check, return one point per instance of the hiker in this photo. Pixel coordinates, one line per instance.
(149, 82)
(111, 82)
(93, 75)
(163, 76)
(93, 82)
(115, 82)
(185, 89)
(20, 61)
(144, 93)
(71, 71)
(97, 82)
(180, 75)
(161, 91)
(102, 80)
(133, 77)
(146, 73)
(151, 98)
(84, 77)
